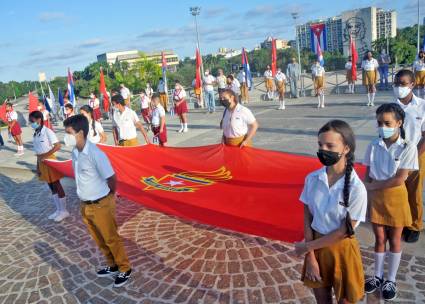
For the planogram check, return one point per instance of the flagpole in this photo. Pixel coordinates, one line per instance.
(419, 27)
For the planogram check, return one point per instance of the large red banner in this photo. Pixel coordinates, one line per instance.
(247, 190)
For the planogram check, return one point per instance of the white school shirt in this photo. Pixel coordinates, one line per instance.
(179, 95)
(268, 74)
(370, 65)
(125, 92)
(317, 71)
(280, 76)
(326, 205)
(235, 123)
(221, 82)
(348, 65)
(161, 87)
(44, 140)
(125, 123)
(144, 102)
(419, 65)
(99, 129)
(241, 77)
(414, 122)
(92, 169)
(11, 116)
(208, 83)
(235, 86)
(157, 113)
(384, 162)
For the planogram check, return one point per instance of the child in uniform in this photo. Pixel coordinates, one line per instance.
(158, 120)
(389, 159)
(180, 106)
(14, 128)
(145, 107)
(46, 145)
(96, 133)
(335, 203)
(318, 75)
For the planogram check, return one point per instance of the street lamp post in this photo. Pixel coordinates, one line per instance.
(419, 27)
(295, 16)
(195, 11)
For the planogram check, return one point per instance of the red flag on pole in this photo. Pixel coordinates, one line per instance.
(3, 112)
(354, 58)
(198, 82)
(33, 103)
(274, 57)
(102, 89)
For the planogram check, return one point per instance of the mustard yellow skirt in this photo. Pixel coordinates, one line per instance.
(129, 142)
(349, 76)
(280, 85)
(420, 78)
(318, 82)
(236, 141)
(390, 207)
(369, 78)
(47, 174)
(340, 268)
(269, 84)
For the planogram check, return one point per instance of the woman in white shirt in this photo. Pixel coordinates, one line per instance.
(239, 124)
(370, 76)
(180, 106)
(335, 202)
(46, 145)
(389, 159)
(419, 70)
(349, 75)
(280, 86)
(318, 75)
(96, 134)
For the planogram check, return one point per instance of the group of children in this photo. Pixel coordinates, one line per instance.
(390, 197)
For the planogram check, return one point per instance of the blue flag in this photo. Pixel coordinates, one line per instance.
(247, 70)
(46, 104)
(60, 97)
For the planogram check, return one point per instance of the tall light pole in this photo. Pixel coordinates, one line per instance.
(295, 16)
(419, 27)
(195, 11)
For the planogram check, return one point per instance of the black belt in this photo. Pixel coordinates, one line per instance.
(96, 201)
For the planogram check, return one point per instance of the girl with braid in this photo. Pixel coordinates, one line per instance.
(389, 160)
(96, 133)
(335, 202)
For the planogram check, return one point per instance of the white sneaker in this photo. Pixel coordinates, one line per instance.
(185, 130)
(53, 215)
(19, 153)
(322, 106)
(372, 104)
(61, 216)
(181, 130)
(282, 108)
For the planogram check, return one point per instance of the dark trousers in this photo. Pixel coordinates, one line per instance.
(1, 140)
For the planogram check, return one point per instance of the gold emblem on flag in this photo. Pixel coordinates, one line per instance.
(186, 181)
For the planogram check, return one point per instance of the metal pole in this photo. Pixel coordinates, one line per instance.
(295, 16)
(419, 27)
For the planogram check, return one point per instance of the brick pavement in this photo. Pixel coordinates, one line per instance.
(174, 261)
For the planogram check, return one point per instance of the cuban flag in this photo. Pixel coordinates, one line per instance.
(71, 95)
(320, 55)
(318, 37)
(247, 70)
(164, 70)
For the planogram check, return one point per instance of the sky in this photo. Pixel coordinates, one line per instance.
(51, 35)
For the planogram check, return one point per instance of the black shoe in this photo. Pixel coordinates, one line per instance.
(411, 236)
(107, 271)
(389, 291)
(122, 278)
(372, 284)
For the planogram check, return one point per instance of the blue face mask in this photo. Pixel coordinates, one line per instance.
(35, 125)
(385, 132)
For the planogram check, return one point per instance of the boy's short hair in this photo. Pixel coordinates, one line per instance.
(118, 99)
(405, 72)
(69, 106)
(155, 95)
(77, 123)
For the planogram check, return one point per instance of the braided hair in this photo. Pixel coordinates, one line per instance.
(89, 110)
(347, 134)
(399, 115)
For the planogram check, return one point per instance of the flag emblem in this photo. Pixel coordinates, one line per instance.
(186, 181)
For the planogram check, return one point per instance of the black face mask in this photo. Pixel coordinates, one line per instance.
(328, 158)
(225, 102)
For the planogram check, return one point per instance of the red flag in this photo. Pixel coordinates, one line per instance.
(274, 64)
(102, 89)
(354, 58)
(3, 112)
(33, 103)
(252, 190)
(198, 82)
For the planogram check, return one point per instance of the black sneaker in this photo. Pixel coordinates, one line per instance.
(411, 236)
(372, 284)
(107, 271)
(389, 291)
(122, 278)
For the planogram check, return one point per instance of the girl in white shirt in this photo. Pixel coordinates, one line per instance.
(180, 106)
(349, 75)
(46, 145)
(318, 76)
(419, 70)
(96, 134)
(335, 203)
(14, 128)
(370, 76)
(280, 86)
(389, 160)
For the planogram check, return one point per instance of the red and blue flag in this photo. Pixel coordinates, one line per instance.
(71, 94)
(247, 70)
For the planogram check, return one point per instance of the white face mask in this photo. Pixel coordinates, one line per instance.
(39, 108)
(70, 140)
(401, 92)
